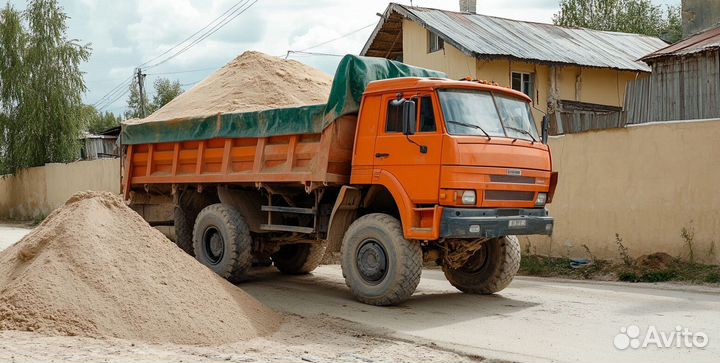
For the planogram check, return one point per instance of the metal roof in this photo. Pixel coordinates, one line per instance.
(485, 36)
(703, 42)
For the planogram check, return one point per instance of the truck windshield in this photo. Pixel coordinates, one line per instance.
(469, 112)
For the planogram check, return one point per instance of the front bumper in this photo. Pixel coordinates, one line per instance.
(487, 222)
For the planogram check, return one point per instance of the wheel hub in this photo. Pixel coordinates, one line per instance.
(214, 245)
(372, 261)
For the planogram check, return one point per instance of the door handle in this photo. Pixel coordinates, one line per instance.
(381, 155)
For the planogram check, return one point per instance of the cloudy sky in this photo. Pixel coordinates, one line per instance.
(127, 33)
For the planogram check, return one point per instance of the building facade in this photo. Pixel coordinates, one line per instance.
(557, 67)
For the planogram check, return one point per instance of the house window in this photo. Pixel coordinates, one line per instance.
(523, 82)
(435, 43)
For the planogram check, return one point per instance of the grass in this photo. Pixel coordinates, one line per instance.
(630, 271)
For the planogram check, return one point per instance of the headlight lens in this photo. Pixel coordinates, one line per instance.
(541, 199)
(469, 198)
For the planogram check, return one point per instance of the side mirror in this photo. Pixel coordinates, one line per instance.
(409, 117)
(545, 129)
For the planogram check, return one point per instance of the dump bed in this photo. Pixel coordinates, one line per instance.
(309, 144)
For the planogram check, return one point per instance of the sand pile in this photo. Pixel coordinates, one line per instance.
(96, 268)
(252, 82)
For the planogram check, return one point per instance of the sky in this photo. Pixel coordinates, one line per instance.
(124, 34)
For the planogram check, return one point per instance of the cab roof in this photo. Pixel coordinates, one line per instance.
(411, 83)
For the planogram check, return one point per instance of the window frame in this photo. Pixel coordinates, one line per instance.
(434, 42)
(525, 78)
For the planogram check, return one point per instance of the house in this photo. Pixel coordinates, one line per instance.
(560, 68)
(100, 146)
(684, 85)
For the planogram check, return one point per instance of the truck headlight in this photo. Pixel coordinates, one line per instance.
(541, 199)
(469, 198)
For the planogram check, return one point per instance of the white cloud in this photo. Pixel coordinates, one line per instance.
(129, 32)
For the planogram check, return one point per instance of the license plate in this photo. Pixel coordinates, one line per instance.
(517, 223)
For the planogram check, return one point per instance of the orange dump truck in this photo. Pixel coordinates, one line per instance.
(400, 167)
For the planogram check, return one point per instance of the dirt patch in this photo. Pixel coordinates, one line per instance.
(251, 82)
(95, 268)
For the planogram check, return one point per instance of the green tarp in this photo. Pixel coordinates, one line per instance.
(353, 75)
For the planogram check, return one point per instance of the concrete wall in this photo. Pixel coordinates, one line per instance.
(35, 192)
(644, 182)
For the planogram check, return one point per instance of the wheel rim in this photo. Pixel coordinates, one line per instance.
(214, 245)
(477, 261)
(372, 261)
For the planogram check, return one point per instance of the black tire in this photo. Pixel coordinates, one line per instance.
(380, 266)
(490, 269)
(189, 206)
(299, 259)
(184, 230)
(222, 242)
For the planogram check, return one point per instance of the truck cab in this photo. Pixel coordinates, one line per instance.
(461, 166)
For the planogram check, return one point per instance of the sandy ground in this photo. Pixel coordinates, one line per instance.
(534, 319)
(319, 338)
(316, 339)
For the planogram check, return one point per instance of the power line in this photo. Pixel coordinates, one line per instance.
(102, 102)
(180, 72)
(313, 53)
(231, 9)
(334, 39)
(223, 19)
(207, 34)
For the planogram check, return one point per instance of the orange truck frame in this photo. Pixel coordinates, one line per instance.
(429, 169)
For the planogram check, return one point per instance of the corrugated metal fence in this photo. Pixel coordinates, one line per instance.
(685, 88)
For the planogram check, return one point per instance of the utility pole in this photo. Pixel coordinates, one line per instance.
(141, 89)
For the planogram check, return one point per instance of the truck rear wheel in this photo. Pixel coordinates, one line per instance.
(490, 269)
(298, 259)
(222, 242)
(184, 230)
(380, 266)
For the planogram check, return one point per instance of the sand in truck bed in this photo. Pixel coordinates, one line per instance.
(253, 81)
(95, 268)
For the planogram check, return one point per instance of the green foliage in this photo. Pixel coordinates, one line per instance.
(95, 121)
(623, 251)
(165, 91)
(688, 236)
(41, 87)
(627, 16)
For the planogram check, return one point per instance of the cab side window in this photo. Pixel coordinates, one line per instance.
(394, 117)
(427, 115)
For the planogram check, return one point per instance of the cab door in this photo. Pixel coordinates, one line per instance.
(400, 155)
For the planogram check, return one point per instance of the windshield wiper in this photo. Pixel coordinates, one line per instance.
(471, 126)
(526, 132)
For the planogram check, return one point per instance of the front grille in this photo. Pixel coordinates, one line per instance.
(512, 179)
(508, 212)
(509, 195)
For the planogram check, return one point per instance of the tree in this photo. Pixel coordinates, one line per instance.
(95, 121)
(627, 16)
(165, 91)
(41, 87)
(133, 103)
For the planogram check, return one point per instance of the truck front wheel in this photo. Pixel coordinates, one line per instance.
(490, 269)
(222, 241)
(380, 266)
(298, 259)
